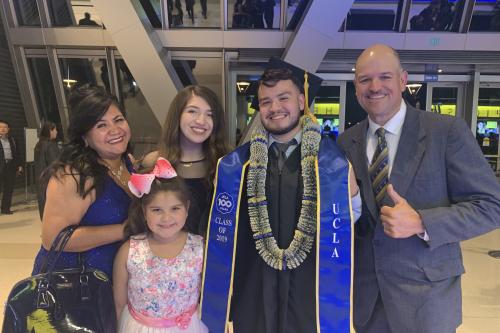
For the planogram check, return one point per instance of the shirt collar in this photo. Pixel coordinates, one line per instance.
(297, 137)
(394, 125)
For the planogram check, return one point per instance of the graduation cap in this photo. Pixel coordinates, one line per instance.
(308, 82)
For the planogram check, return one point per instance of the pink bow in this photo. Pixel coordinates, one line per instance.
(140, 184)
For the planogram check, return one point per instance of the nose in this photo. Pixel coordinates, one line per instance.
(165, 217)
(114, 128)
(275, 105)
(201, 118)
(375, 85)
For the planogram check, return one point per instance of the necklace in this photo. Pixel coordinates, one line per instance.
(303, 239)
(188, 164)
(118, 173)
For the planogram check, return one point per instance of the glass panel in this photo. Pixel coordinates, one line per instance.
(152, 9)
(44, 90)
(194, 14)
(444, 100)
(65, 13)
(246, 89)
(27, 12)
(486, 16)
(326, 110)
(354, 112)
(416, 94)
(145, 127)
(488, 123)
(294, 12)
(372, 15)
(254, 14)
(80, 71)
(200, 70)
(435, 15)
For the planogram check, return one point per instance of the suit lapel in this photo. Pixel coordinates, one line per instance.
(410, 151)
(358, 149)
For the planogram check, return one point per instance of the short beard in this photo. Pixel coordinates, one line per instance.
(283, 130)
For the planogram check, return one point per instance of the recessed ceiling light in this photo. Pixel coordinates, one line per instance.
(440, 70)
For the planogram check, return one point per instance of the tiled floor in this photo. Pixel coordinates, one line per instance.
(20, 239)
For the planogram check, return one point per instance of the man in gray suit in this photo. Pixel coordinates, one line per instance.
(426, 186)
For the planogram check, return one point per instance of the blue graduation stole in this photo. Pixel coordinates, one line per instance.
(334, 239)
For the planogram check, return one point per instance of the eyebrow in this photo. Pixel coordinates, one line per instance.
(196, 107)
(383, 73)
(279, 95)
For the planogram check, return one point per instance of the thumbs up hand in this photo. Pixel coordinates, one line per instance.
(400, 221)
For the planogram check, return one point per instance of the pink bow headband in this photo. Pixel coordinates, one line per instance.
(140, 184)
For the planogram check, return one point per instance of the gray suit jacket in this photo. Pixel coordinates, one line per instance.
(442, 173)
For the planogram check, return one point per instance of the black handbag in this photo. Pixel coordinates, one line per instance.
(77, 299)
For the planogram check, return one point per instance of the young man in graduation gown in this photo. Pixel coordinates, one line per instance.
(276, 198)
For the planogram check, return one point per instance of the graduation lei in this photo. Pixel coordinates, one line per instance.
(305, 232)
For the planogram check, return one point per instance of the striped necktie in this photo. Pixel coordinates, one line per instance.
(379, 168)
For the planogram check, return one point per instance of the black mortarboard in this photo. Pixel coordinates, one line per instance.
(313, 81)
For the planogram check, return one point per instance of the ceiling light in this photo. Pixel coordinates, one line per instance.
(69, 82)
(413, 88)
(242, 86)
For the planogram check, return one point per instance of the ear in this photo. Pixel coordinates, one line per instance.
(404, 80)
(302, 102)
(188, 203)
(85, 141)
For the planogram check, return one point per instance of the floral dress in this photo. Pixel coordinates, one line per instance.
(163, 294)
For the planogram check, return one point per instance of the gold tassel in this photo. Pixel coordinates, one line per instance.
(307, 111)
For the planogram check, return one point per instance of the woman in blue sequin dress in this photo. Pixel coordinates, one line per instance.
(87, 186)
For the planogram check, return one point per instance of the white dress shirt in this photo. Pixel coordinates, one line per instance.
(392, 134)
(393, 130)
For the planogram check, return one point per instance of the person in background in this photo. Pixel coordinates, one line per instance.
(157, 272)
(203, 4)
(495, 20)
(10, 166)
(87, 185)
(268, 10)
(190, 9)
(46, 152)
(193, 139)
(88, 21)
(426, 187)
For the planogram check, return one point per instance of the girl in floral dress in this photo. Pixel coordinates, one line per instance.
(157, 272)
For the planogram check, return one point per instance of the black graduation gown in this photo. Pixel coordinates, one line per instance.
(264, 299)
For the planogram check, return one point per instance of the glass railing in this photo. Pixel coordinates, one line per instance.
(27, 12)
(486, 16)
(367, 15)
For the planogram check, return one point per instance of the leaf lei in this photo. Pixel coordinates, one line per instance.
(305, 232)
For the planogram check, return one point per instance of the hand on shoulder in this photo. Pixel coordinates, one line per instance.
(148, 161)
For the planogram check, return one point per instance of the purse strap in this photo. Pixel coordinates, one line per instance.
(57, 248)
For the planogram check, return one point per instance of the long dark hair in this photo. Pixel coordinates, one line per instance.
(47, 127)
(136, 222)
(214, 147)
(87, 105)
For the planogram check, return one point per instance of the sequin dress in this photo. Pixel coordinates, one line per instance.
(111, 207)
(163, 290)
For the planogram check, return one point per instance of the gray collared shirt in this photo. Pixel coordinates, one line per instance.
(7, 150)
